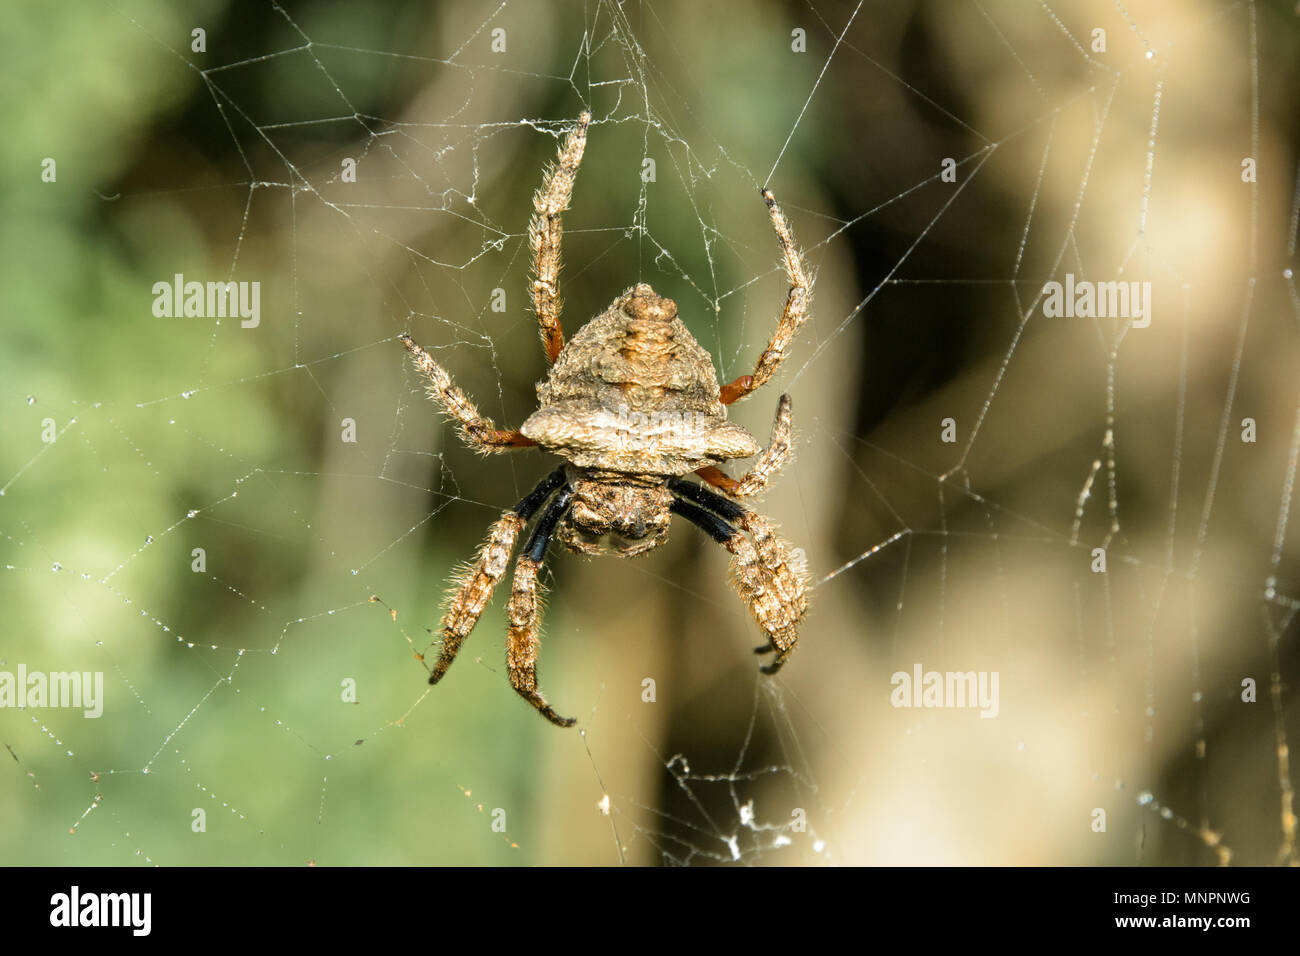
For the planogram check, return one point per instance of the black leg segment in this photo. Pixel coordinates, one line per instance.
(535, 550)
(528, 507)
(706, 521)
(705, 498)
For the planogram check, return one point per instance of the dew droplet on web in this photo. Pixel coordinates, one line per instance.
(31, 399)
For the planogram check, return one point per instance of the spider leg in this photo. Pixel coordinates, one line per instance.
(768, 464)
(474, 585)
(793, 316)
(761, 570)
(524, 613)
(478, 432)
(544, 231)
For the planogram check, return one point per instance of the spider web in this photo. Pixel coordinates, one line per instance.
(271, 679)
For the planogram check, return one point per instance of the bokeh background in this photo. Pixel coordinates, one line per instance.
(227, 689)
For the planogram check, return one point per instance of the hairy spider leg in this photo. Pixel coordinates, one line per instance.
(769, 462)
(761, 571)
(473, 587)
(478, 432)
(793, 316)
(524, 612)
(545, 230)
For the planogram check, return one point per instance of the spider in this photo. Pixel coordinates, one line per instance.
(634, 406)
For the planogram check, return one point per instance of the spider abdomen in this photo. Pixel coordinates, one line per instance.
(634, 392)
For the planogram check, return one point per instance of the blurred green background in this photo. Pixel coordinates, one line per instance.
(227, 689)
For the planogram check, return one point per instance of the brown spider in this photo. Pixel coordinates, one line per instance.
(633, 404)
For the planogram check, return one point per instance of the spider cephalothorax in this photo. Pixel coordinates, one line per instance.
(633, 405)
(626, 514)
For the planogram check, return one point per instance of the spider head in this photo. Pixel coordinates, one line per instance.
(617, 514)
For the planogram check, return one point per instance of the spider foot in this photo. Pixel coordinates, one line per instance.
(545, 709)
(440, 668)
(777, 662)
(443, 663)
